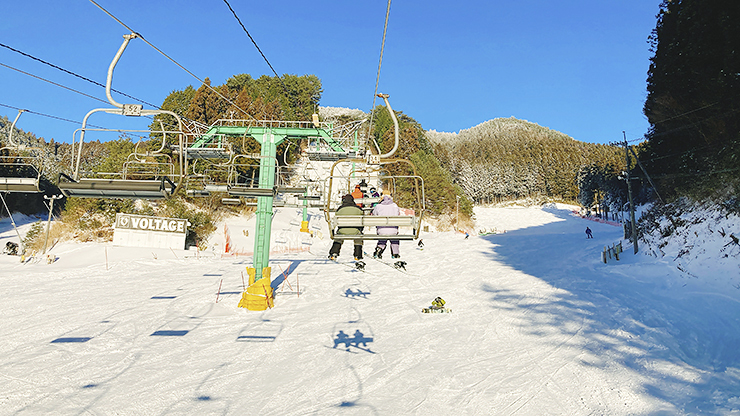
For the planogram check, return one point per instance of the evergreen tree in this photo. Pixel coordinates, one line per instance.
(178, 102)
(693, 102)
(206, 106)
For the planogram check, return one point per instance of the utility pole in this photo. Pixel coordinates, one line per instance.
(457, 213)
(629, 193)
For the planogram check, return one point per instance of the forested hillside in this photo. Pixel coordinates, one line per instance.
(693, 102)
(507, 158)
(440, 190)
(49, 156)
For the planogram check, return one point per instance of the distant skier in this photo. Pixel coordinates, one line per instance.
(588, 233)
(466, 235)
(421, 243)
(387, 208)
(348, 207)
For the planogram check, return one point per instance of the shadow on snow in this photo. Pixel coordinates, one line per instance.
(688, 348)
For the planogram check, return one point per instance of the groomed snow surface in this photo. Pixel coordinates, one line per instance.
(539, 326)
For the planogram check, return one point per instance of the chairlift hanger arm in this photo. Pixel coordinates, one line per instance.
(395, 127)
(12, 127)
(109, 80)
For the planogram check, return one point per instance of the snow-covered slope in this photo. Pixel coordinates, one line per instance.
(539, 326)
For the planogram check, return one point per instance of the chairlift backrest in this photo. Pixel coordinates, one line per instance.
(27, 168)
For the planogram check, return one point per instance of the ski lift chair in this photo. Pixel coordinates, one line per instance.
(143, 176)
(20, 173)
(140, 178)
(25, 166)
(211, 180)
(209, 147)
(97, 185)
(409, 225)
(241, 185)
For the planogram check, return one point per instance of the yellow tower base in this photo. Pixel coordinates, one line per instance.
(304, 227)
(258, 296)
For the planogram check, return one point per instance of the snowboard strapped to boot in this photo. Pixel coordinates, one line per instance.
(378, 254)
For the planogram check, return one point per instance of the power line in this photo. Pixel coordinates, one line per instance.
(168, 57)
(697, 173)
(678, 116)
(74, 74)
(59, 85)
(691, 124)
(695, 149)
(686, 113)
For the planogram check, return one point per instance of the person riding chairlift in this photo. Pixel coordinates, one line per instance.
(348, 207)
(357, 194)
(387, 208)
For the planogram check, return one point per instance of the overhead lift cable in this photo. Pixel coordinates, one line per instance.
(73, 74)
(70, 89)
(45, 115)
(380, 63)
(53, 83)
(285, 87)
(170, 58)
(99, 128)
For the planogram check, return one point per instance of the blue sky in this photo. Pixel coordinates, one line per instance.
(576, 66)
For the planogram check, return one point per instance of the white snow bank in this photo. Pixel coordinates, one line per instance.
(539, 326)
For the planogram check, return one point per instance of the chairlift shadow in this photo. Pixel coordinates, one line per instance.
(262, 331)
(354, 341)
(353, 335)
(359, 294)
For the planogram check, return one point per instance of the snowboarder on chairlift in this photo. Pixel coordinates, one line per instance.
(387, 208)
(357, 194)
(588, 233)
(348, 207)
(374, 194)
